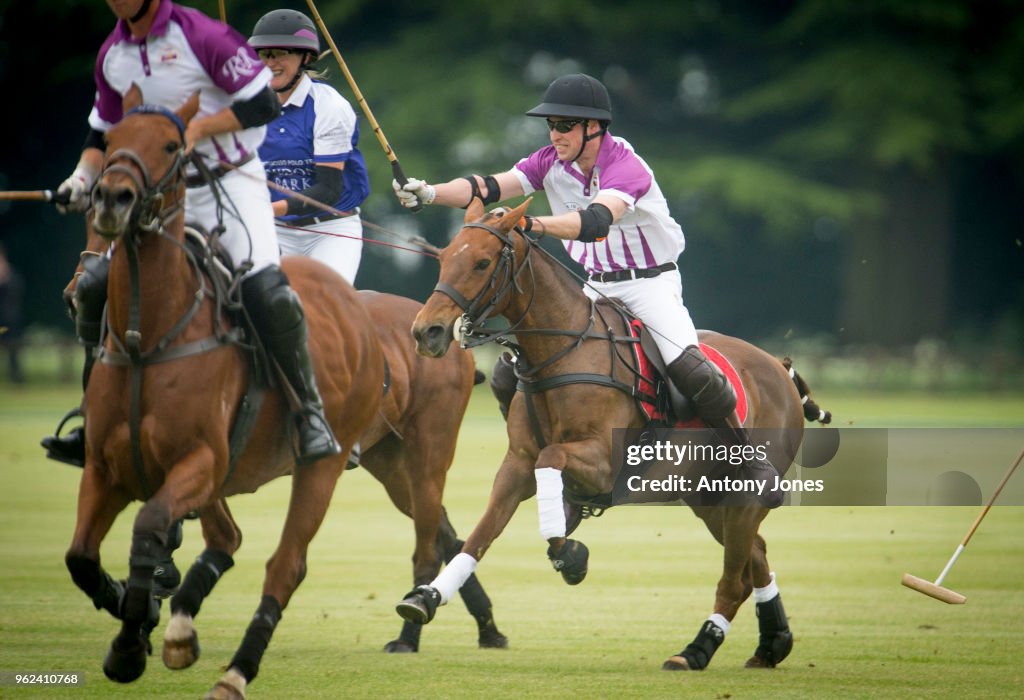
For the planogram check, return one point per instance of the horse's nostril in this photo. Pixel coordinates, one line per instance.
(124, 198)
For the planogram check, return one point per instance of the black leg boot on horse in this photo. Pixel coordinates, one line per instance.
(277, 314)
(702, 382)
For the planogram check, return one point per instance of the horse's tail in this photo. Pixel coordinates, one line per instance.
(812, 411)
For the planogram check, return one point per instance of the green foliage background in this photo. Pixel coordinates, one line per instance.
(846, 170)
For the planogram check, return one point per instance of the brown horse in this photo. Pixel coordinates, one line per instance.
(408, 448)
(569, 347)
(169, 385)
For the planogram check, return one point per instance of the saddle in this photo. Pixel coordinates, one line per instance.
(215, 263)
(659, 398)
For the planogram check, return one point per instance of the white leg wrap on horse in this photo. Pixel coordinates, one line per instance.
(451, 578)
(549, 502)
(720, 622)
(763, 595)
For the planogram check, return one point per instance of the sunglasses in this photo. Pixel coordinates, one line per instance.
(563, 126)
(267, 54)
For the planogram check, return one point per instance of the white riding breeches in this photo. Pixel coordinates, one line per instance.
(248, 217)
(338, 243)
(658, 302)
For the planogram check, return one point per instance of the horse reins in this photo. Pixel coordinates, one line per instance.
(128, 351)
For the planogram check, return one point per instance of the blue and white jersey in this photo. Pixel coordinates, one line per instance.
(645, 236)
(317, 125)
(183, 52)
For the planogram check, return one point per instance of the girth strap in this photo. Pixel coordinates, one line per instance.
(538, 386)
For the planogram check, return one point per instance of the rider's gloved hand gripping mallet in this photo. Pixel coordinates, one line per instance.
(935, 590)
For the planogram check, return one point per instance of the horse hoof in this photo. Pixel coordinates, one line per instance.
(124, 663)
(419, 605)
(493, 639)
(571, 561)
(179, 654)
(397, 646)
(771, 656)
(231, 686)
(676, 663)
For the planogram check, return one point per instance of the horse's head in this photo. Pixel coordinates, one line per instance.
(479, 276)
(141, 182)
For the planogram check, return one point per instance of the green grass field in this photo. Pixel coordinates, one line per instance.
(859, 634)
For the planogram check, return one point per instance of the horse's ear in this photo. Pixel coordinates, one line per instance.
(132, 98)
(475, 210)
(514, 216)
(189, 109)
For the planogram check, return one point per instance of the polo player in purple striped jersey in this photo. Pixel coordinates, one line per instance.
(614, 221)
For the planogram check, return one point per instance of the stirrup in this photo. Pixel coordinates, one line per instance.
(306, 425)
(55, 445)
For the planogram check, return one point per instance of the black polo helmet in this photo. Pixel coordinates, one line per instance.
(285, 29)
(576, 95)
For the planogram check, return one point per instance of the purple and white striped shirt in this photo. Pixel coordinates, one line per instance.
(184, 51)
(646, 235)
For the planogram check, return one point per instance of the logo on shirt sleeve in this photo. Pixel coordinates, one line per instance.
(240, 65)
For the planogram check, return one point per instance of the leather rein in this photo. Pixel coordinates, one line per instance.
(150, 215)
(503, 281)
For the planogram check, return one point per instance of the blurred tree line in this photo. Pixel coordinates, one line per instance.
(849, 169)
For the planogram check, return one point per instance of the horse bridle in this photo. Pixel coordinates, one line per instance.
(151, 194)
(504, 279)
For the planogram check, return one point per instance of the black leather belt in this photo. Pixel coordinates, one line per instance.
(631, 274)
(318, 219)
(216, 172)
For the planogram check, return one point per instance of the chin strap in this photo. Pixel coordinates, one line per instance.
(142, 11)
(298, 74)
(588, 137)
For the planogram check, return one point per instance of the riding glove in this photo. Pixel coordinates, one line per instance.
(77, 188)
(413, 192)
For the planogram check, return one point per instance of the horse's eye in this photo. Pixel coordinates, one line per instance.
(482, 264)
(172, 147)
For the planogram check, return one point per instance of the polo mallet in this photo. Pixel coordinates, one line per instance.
(396, 169)
(935, 590)
(32, 196)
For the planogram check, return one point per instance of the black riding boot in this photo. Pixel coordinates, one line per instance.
(277, 313)
(90, 298)
(715, 401)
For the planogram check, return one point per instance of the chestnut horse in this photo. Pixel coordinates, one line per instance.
(169, 385)
(408, 448)
(492, 268)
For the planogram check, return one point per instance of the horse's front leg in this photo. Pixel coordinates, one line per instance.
(512, 485)
(186, 486)
(98, 507)
(587, 464)
(735, 528)
(223, 538)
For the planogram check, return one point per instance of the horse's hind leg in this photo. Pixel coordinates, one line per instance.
(414, 478)
(223, 538)
(735, 528)
(775, 640)
(312, 488)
